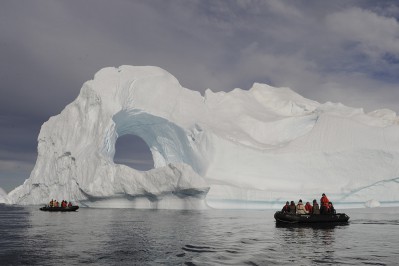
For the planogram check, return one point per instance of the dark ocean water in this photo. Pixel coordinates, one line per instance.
(211, 237)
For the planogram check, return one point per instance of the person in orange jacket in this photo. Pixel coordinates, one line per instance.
(324, 203)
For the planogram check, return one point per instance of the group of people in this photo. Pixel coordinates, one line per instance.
(63, 204)
(325, 207)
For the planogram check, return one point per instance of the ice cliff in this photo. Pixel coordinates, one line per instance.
(245, 149)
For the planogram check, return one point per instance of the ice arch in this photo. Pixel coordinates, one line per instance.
(76, 148)
(170, 146)
(132, 151)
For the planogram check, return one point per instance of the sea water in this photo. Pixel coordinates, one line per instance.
(29, 236)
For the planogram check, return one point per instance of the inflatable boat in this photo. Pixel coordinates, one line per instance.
(290, 218)
(59, 209)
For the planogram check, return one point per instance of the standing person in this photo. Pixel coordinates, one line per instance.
(286, 207)
(324, 203)
(292, 207)
(308, 207)
(300, 209)
(316, 208)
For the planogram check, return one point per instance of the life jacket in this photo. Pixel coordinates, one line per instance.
(300, 209)
(324, 201)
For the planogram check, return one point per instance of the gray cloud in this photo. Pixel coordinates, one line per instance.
(341, 51)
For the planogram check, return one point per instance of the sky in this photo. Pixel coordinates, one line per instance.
(343, 51)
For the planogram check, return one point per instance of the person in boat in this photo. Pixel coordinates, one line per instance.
(308, 207)
(324, 203)
(300, 209)
(292, 207)
(63, 204)
(286, 207)
(56, 204)
(331, 208)
(70, 204)
(51, 203)
(315, 208)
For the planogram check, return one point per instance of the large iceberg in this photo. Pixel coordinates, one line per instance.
(241, 149)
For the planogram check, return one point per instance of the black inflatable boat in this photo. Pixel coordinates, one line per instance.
(284, 217)
(59, 209)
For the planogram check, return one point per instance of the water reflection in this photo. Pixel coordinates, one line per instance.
(211, 237)
(314, 244)
(13, 230)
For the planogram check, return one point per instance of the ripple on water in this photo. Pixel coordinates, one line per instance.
(147, 237)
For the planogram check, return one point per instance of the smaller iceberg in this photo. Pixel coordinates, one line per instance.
(372, 203)
(3, 196)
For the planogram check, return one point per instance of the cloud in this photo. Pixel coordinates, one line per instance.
(372, 34)
(343, 51)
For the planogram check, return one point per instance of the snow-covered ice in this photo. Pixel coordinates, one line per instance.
(241, 149)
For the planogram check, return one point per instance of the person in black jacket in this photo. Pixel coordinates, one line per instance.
(331, 208)
(292, 207)
(286, 207)
(316, 208)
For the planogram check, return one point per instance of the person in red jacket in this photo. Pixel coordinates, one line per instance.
(324, 203)
(308, 207)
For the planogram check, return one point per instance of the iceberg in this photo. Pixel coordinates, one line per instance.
(372, 204)
(252, 148)
(3, 196)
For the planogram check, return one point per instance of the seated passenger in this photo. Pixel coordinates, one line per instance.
(331, 208)
(300, 209)
(292, 207)
(286, 207)
(315, 209)
(70, 204)
(308, 207)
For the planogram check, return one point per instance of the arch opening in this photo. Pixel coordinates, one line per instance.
(132, 151)
(167, 142)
